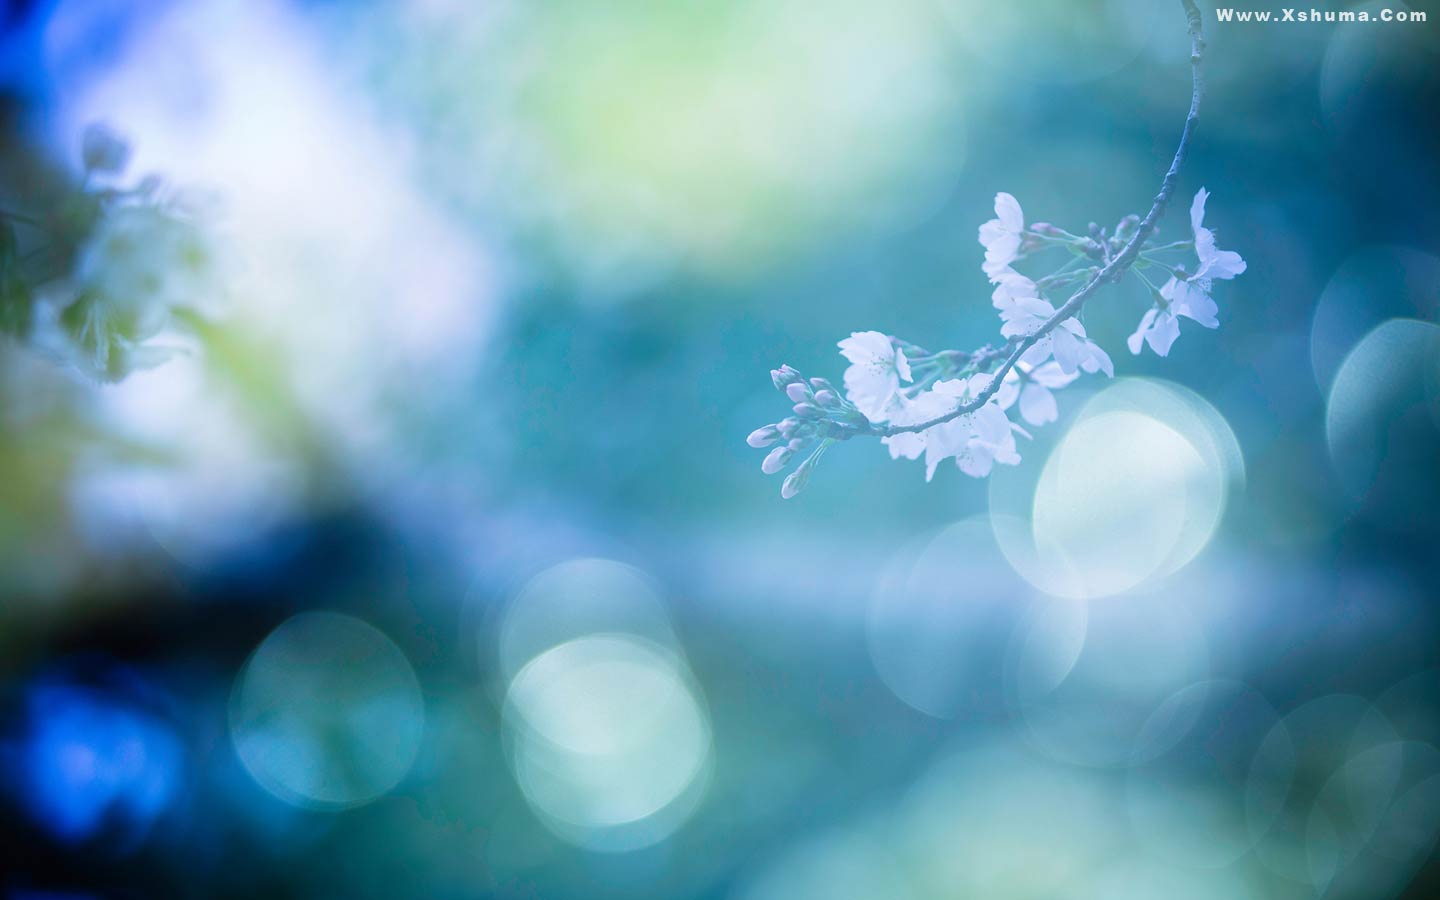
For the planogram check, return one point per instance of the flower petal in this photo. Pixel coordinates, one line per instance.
(1163, 334)
(1197, 210)
(1135, 340)
(1051, 375)
(864, 347)
(1007, 210)
(902, 365)
(1066, 348)
(1097, 360)
(1037, 405)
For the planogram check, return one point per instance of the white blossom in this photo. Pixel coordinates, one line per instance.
(1188, 296)
(976, 440)
(877, 367)
(1001, 236)
(1214, 263)
(1010, 288)
(931, 404)
(1066, 342)
(1032, 387)
(144, 263)
(1160, 325)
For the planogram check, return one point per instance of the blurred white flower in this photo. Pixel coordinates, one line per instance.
(143, 263)
(1001, 235)
(876, 369)
(1032, 387)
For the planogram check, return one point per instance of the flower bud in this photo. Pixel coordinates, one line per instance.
(798, 392)
(1046, 229)
(776, 460)
(1125, 228)
(795, 482)
(102, 150)
(799, 443)
(784, 376)
(808, 411)
(822, 384)
(763, 436)
(826, 398)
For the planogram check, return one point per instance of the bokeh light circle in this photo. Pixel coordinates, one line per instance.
(327, 712)
(609, 740)
(1132, 492)
(1393, 369)
(1308, 822)
(757, 112)
(1364, 65)
(1056, 41)
(939, 620)
(996, 820)
(577, 598)
(1406, 827)
(1115, 704)
(1372, 285)
(1187, 804)
(855, 863)
(1112, 501)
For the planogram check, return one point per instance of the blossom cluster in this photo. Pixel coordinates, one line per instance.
(127, 266)
(958, 406)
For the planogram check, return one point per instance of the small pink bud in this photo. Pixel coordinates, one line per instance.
(763, 437)
(776, 460)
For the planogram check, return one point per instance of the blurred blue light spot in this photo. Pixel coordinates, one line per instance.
(88, 761)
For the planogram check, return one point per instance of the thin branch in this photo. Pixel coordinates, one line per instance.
(1115, 267)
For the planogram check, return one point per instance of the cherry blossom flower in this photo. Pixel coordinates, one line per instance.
(928, 405)
(1160, 325)
(1066, 342)
(1188, 296)
(145, 263)
(1032, 387)
(1010, 288)
(1214, 263)
(950, 406)
(1001, 236)
(976, 440)
(876, 369)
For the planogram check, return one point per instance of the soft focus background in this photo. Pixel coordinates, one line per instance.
(440, 567)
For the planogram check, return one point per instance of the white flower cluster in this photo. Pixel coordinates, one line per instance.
(893, 388)
(146, 263)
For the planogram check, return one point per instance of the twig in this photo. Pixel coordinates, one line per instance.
(1114, 268)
